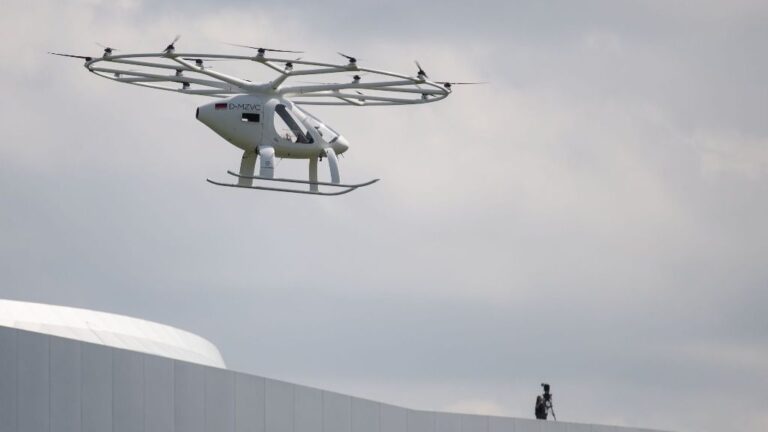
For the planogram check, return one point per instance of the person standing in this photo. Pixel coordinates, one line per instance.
(541, 409)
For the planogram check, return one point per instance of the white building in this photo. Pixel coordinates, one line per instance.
(66, 369)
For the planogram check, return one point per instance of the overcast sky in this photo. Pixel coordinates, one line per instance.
(595, 217)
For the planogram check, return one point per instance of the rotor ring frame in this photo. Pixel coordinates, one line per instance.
(389, 91)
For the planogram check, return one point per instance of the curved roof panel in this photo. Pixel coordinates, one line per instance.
(112, 330)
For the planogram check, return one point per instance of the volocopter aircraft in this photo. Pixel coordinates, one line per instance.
(264, 119)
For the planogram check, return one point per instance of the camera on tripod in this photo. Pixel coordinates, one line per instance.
(547, 394)
(544, 404)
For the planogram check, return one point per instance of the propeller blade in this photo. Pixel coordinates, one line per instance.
(350, 58)
(421, 70)
(107, 50)
(195, 59)
(72, 55)
(452, 83)
(172, 45)
(282, 51)
(263, 49)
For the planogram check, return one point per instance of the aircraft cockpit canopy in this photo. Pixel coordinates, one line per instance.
(288, 126)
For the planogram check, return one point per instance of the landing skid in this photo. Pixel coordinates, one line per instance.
(346, 188)
(353, 186)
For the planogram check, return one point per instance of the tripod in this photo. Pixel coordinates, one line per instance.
(549, 408)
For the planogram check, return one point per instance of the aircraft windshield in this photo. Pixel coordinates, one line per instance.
(288, 128)
(325, 131)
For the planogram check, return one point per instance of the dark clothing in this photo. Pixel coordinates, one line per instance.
(541, 408)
